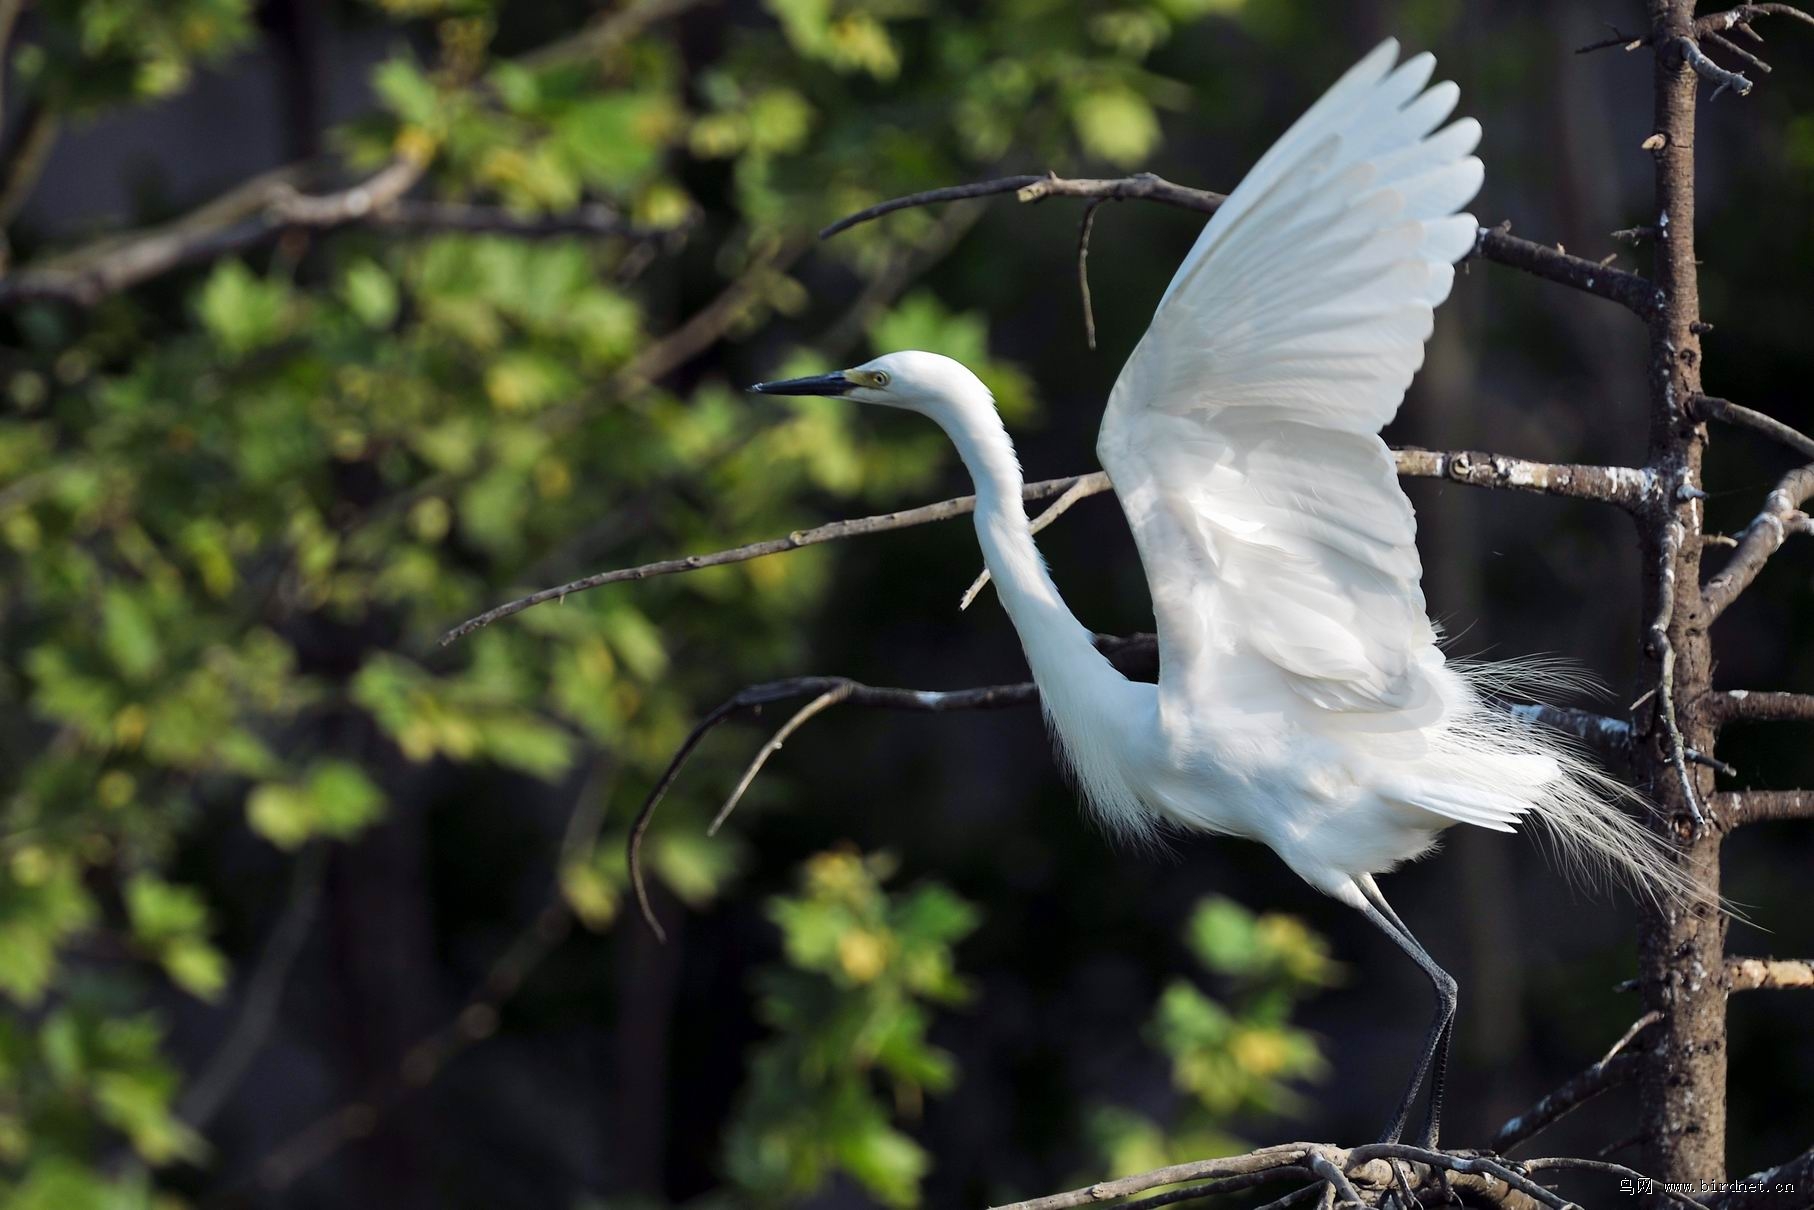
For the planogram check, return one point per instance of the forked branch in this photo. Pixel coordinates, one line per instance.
(1494, 244)
(1134, 654)
(1781, 516)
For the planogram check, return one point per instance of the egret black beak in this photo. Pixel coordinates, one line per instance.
(819, 384)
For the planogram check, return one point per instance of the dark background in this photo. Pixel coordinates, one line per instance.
(614, 1069)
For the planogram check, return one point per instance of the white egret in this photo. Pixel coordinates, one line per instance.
(1303, 700)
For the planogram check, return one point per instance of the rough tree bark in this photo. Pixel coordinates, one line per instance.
(1682, 950)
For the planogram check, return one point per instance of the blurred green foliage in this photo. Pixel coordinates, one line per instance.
(1234, 1055)
(849, 1014)
(238, 506)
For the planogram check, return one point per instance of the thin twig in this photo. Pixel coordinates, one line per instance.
(1714, 408)
(25, 163)
(1734, 49)
(1083, 271)
(801, 717)
(209, 1091)
(476, 1020)
(1608, 1073)
(1078, 491)
(1216, 1188)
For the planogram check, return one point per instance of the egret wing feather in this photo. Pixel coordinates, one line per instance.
(1242, 436)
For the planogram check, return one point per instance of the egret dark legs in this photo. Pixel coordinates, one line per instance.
(1434, 1062)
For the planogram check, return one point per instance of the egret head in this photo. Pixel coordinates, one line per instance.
(929, 383)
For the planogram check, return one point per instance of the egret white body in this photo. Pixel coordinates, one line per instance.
(1303, 700)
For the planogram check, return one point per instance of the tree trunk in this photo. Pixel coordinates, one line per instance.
(1681, 950)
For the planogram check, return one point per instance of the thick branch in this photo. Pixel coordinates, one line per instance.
(1739, 807)
(1753, 974)
(1624, 486)
(1730, 705)
(1496, 244)
(1765, 535)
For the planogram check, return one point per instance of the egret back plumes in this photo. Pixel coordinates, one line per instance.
(1304, 700)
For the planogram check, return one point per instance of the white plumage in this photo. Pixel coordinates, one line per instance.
(1303, 700)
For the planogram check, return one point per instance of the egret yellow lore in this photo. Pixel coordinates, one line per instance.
(1303, 700)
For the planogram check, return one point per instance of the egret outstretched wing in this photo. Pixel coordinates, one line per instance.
(1242, 436)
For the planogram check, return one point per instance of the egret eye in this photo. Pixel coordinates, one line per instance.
(881, 378)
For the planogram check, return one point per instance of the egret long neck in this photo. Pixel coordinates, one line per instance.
(1060, 650)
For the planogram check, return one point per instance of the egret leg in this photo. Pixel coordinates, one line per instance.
(1434, 1061)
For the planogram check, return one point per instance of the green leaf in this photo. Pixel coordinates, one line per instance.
(241, 311)
(1116, 124)
(130, 635)
(370, 293)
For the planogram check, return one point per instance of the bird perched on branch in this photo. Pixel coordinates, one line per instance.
(1303, 699)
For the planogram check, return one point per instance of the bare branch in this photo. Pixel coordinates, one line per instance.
(1751, 974)
(930, 197)
(25, 162)
(706, 326)
(281, 208)
(268, 206)
(1707, 69)
(209, 1091)
(1606, 1074)
(1736, 51)
(1623, 486)
(1712, 25)
(1714, 408)
(1739, 807)
(1083, 271)
(475, 1021)
(1753, 704)
(607, 33)
(1763, 1190)
(1630, 290)
(832, 532)
(1740, 17)
(1496, 244)
(1780, 517)
(801, 717)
